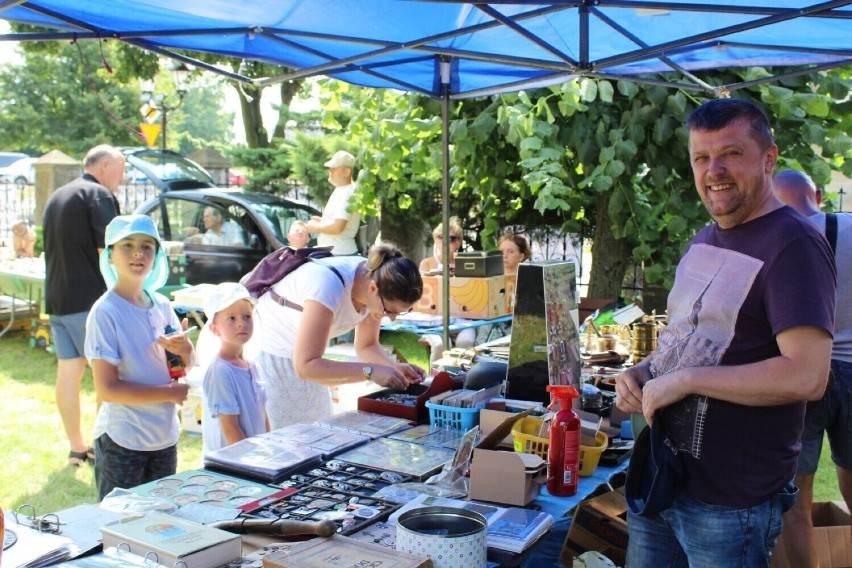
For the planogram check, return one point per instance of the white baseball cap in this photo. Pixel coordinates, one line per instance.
(341, 159)
(223, 296)
(122, 227)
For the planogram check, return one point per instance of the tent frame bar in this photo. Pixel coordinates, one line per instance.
(564, 65)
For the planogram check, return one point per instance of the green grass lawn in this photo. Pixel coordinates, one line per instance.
(34, 447)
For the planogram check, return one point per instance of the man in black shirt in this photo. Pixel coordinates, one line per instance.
(75, 219)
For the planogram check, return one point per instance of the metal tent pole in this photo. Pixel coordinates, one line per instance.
(445, 198)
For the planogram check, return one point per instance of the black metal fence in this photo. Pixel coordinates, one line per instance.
(18, 203)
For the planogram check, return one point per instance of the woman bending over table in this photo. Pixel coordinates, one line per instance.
(322, 299)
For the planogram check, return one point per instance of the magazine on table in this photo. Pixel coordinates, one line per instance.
(509, 528)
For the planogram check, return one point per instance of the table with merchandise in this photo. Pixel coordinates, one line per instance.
(354, 475)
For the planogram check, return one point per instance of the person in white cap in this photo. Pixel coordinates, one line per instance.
(233, 400)
(128, 332)
(338, 225)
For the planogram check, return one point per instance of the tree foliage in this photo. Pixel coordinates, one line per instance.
(66, 101)
(606, 160)
(73, 96)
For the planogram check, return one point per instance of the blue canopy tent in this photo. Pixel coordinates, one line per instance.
(452, 49)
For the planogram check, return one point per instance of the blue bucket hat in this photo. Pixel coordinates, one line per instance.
(655, 472)
(122, 227)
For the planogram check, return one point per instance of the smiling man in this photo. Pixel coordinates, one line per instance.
(751, 317)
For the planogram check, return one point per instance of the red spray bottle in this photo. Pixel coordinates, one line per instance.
(563, 460)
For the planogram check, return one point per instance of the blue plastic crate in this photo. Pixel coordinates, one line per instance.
(454, 418)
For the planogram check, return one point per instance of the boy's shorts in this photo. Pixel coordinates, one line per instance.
(69, 335)
(833, 416)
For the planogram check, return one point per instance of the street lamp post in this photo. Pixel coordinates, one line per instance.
(156, 102)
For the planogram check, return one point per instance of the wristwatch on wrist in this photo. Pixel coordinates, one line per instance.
(367, 371)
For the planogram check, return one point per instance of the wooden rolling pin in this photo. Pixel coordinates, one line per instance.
(277, 527)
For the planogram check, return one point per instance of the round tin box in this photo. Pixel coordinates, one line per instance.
(451, 537)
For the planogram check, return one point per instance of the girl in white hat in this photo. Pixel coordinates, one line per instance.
(233, 400)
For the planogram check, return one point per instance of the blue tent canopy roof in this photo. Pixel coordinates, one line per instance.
(493, 46)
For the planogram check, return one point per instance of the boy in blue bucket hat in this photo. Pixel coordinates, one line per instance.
(127, 335)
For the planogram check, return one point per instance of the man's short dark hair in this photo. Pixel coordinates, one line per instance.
(719, 113)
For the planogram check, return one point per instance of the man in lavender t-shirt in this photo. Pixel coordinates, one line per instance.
(751, 317)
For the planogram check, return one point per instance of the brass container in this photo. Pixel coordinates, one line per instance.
(646, 345)
(605, 342)
(645, 330)
(643, 341)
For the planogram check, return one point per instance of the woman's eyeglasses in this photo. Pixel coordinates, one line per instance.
(453, 239)
(390, 313)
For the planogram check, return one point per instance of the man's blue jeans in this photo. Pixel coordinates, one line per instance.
(694, 534)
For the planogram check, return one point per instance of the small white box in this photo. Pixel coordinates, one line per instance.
(190, 413)
(193, 296)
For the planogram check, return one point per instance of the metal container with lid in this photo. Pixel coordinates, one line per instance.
(451, 537)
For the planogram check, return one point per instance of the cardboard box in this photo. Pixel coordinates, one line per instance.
(502, 477)
(344, 552)
(600, 524)
(833, 537)
(470, 298)
(479, 264)
(490, 419)
(590, 424)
